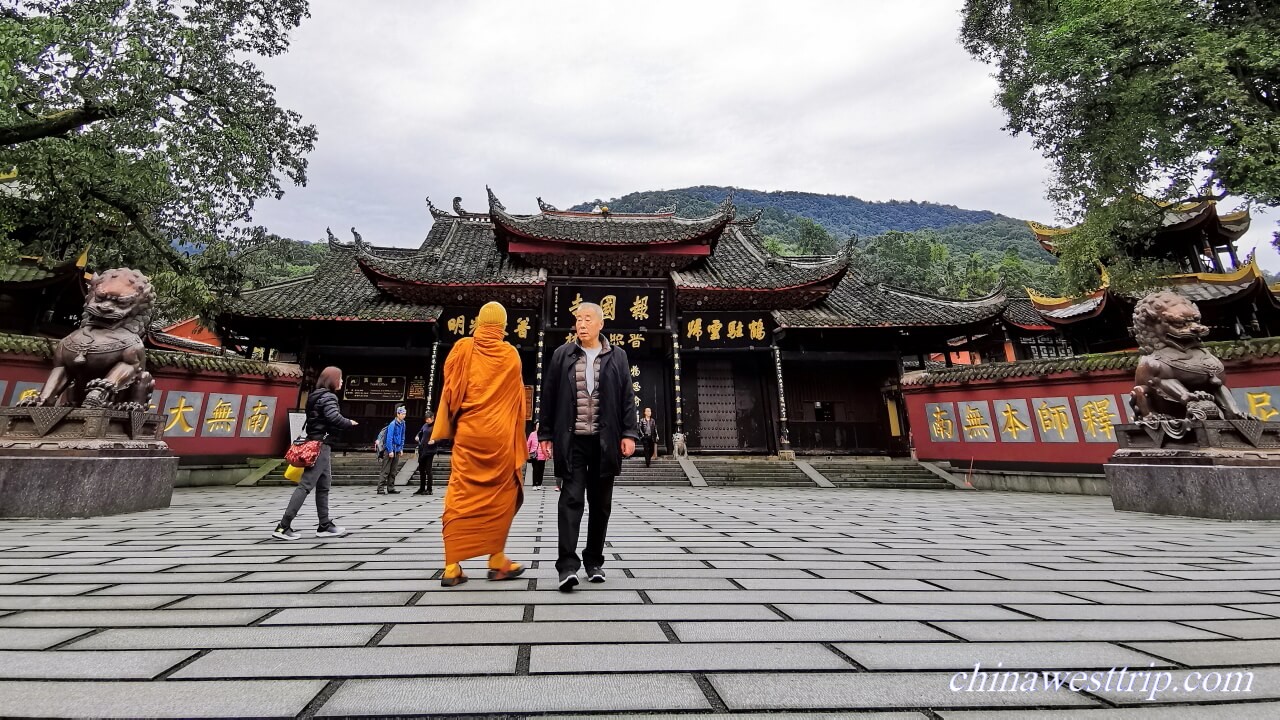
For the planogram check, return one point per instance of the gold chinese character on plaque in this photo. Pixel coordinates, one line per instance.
(635, 387)
(942, 426)
(616, 338)
(609, 307)
(976, 426)
(28, 394)
(577, 300)
(1260, 405)
(1013, 426)
(635, 371)
(757, 329)
(640, 308)
(713, 330)
(220, 417)
(734, 330)
(693, 329)
(1054, 418)
(458, 325)
(522, 328)
(179, 413)
(569, 338)
(636, 340)
(1097, 418)
(258, 418)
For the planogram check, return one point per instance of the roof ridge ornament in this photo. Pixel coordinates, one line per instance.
(360, 243)
(668, 210)
(333, 239)
(494, 202)
(457, 207)
(436, 212)
(753, 218)
(547, 207)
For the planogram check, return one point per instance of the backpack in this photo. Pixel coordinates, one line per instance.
(380, 444)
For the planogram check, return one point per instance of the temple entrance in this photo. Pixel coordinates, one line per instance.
(717, 406)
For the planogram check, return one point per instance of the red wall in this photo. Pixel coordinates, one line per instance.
(20, 369)
(1077, 443)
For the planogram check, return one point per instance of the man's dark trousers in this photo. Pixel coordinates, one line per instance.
(584, 480)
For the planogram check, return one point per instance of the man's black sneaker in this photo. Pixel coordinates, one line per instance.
(568, 581)
(421, 491)
(391, 490)
(382, 490)
(284, 533)
(595, 575)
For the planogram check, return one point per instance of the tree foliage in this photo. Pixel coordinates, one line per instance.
(140, 126)
(1176, 99)
(920, 261)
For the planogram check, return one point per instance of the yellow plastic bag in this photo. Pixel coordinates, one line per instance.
(293, 473)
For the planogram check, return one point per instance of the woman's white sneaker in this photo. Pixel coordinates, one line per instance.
(331, 531)
(284, 533)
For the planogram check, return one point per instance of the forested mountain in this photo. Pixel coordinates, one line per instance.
(924, 246)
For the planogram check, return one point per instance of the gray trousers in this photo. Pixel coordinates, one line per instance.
(390, 464)
(318, 477)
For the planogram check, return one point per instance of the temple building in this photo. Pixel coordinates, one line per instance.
(742, 350)
(1233, 295)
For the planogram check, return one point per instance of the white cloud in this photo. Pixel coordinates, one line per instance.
(576, 100)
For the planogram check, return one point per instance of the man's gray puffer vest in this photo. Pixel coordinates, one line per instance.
(588, 404)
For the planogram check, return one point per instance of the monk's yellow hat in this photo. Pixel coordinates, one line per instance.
(492, 314)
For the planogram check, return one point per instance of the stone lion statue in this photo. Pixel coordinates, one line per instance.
(103, 363)
(1176, 378)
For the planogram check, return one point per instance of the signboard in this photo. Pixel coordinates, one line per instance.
(725, 329)
(417, 388)
(626, 307)
(380, 388)
(528, 402)
(459, 322)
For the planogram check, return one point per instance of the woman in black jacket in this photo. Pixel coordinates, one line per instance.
(323, 418)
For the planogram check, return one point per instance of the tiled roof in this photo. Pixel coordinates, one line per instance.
(178, 342)
(1020, 312)
(1082, 364)
(457, 251)
(31, 272)
(192, 362)
(742, 261)
(601, 229)
(338, 290)
(855, 302)
(1183, 216)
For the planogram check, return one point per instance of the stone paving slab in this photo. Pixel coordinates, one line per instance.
(691, 657)
(226, 637)
(806, 631)
(654, 612)
(880, 611)
(206, 588)
(525, 633)
(1202, 653)
(267, 698)
(86, 602)
(415, 614)
(1134, 612)
(1008, 655)
(523, 694)
(130, 618)
(1242, 629)
(88, 664)
(266, 600)
(1046, 630)
(351, 662)
(756, 691)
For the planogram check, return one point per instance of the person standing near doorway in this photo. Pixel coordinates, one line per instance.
(649, 436)
(587, 424)
(426, 454)
(392, 450)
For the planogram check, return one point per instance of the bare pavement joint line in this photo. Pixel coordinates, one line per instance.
(718, 599)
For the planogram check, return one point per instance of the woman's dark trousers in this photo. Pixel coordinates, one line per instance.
(318, 477)
(539, 469)
(425, 471)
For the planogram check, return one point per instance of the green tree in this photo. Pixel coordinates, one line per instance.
(1179, 99)
(143, 128)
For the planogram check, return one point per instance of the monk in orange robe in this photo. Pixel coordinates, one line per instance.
(482, 410)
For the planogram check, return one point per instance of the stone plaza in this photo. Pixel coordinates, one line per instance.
(734, 601)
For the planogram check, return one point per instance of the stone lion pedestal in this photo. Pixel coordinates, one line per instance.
(1224, 469)
(64, 462)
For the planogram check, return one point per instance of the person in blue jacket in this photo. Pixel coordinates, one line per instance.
(392, 449)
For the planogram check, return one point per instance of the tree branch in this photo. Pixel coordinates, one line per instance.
(166, 251)
(58, 123)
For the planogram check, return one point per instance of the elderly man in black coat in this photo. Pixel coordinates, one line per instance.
(588, 424)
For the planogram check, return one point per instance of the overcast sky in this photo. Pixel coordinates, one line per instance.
(573, 101)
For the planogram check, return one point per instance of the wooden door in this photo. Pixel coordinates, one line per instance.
(717, 406)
